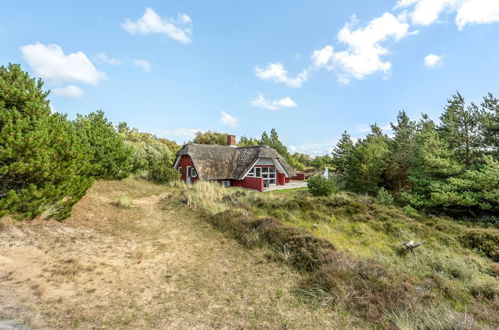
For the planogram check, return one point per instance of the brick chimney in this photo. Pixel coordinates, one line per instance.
(231, 140)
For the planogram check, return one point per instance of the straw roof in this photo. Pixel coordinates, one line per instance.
(215, 162)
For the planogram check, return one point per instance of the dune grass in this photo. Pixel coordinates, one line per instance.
(365, 269)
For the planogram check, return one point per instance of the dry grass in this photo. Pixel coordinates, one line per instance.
(364, 271)
(150, 266)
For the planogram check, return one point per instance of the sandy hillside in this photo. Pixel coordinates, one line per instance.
(145, 266)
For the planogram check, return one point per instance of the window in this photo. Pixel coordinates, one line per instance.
(194, 173)
(272, 169)
(258, 172)
(251, 172)
(180, 170)
(265, 170)
(226, 183)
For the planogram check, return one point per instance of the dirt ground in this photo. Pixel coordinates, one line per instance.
(143, 267)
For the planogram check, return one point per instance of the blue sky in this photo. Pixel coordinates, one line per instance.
(311, 69)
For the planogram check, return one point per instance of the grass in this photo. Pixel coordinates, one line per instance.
(291, 191)
(122, 202)
(364, 270)
(154, 265)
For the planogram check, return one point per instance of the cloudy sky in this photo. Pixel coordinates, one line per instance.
(310, 69)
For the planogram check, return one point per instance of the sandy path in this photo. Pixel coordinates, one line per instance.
(150, 266)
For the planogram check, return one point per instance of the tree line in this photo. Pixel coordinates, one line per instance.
(452, 166)
(47, 162)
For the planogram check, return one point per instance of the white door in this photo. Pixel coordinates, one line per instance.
(188, 175)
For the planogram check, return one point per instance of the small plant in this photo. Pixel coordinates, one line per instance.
(410, 211)
(319, 186)
(122, 202)
(384, 197)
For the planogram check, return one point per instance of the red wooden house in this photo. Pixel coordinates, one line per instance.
(254, 167)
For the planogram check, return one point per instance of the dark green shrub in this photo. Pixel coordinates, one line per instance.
(44, 163)
(162, 172)
(111, 158)
(319, 186)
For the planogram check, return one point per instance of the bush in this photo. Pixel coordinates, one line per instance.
(44, 163)
(162, 172)
(111, 158)
(384, 197)
(320, 186)
(485, 241)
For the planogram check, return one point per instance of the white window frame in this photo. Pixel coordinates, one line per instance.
(194, 173)
(226, 183)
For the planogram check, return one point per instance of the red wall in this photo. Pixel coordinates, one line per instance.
(184, 162)
(249, 182)
(281, 179)
(299, 176)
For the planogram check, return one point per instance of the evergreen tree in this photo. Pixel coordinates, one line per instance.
(490, 106)
(43, 161)
(111, 158)
(265, 140)
(461, 127)
(367, 164)
(402, 147)
(473, 192)
(342, 152)
(435, 162)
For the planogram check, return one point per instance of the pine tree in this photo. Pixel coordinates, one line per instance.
(435, 162)
(342, 152)
(473, 192)
(367, 164)
(111, 158)
(402, 147)
(490, 106)
(461, 127)
(43, 161)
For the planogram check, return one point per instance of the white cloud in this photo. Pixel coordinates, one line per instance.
(425, 12)
(102, 58)
(178, 29)
(477, 12)
(322, 57)
(364, 54)
(276, 73)
(362, 57)
(68, 91)
(260, 102)
(50, 63)
(228, 120)
(313, 149)
(145, 65)
(292, 149)
(431, 60)
(179, 134)
(364, 128)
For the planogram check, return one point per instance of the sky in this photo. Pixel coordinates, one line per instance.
(310, 69)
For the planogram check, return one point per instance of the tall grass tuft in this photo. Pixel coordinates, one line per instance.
(122, 202)
(206, 196)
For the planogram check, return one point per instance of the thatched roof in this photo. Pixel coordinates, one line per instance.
(215, 162)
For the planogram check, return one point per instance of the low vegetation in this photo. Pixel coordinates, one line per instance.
(319, 186)
(350, 247)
